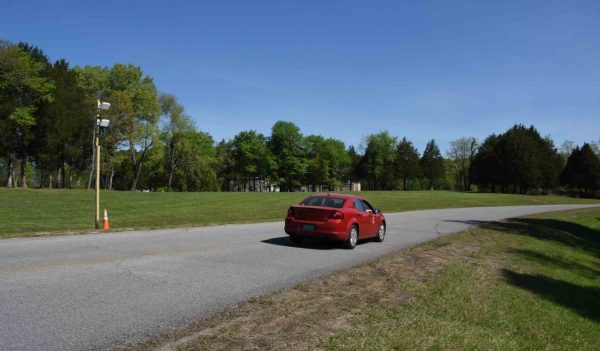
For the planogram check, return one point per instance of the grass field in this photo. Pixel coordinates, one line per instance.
(524, 284)
(35, 212)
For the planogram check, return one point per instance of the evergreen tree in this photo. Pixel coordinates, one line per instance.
(64, 128)
(582, 171)
(432, 163)
(407, 162)
(519, 160)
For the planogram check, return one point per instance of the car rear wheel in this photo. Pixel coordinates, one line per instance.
(296, 239)
(352, 238)
(381, 234)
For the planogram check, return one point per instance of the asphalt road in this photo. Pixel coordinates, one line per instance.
(99, 291)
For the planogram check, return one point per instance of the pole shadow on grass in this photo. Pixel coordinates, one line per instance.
(583, 300)
(567, 233)
(557, 263)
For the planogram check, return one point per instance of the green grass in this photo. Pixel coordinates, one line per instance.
(34, 212)
(533, 285)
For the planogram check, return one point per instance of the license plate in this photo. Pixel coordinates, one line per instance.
(308, 227)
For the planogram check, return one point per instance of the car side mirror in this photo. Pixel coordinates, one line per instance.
(377, 211)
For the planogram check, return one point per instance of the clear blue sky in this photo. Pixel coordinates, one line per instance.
(421, 69)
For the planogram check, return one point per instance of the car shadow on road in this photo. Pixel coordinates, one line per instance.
(312, 244)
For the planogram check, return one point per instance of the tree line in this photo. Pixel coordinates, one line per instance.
(48, 113)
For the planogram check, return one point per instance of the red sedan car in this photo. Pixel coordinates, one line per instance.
(346, 218)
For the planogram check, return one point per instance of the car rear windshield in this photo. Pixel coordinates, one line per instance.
(324, 201)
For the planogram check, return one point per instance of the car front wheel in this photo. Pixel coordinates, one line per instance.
(352, 238)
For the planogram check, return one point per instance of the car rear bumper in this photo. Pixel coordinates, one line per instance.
(331, 229)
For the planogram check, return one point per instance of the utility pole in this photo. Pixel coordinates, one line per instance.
(100, 123)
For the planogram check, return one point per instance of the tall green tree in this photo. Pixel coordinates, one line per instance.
(176, 125)
(253, 162)
(485, 167)
(328, 162)
(139, 127)
(582, 171)
(23, 87)
(64, 128)
(338, 162)
(354, 172)
(286, 144)
(135, 112)
(378, 160)
(519, 160)
(552, 163)
(318, 168)
(406, 162)
(462, 151)
(198, 171)
(432, 164)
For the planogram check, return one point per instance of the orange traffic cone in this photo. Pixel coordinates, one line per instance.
(105, 224)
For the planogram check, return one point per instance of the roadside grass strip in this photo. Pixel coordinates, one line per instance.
(37, 212)
(528, 283)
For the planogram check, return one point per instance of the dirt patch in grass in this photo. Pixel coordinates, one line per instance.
(301, 317)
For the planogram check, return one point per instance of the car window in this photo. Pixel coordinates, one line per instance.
(359, 205)
(324, 201)
(368, 206)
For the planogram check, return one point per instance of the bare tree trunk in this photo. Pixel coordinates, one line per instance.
(50, 180)
(10, 172)
(59, 178)
(24, 173)
(170, 180)
(15, 181)
(139, 165)
(173, 165)
(112, 175)
(137, 173)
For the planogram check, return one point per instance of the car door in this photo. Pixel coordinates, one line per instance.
(373, 221)
(363, 218)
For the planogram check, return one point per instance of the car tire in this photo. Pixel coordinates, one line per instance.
(381, 233)
(296, 239)
(352, 238)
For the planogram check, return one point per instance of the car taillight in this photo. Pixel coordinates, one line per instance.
(290, 212)
(337, 215)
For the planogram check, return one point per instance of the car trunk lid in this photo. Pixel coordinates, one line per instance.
(313, 213)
